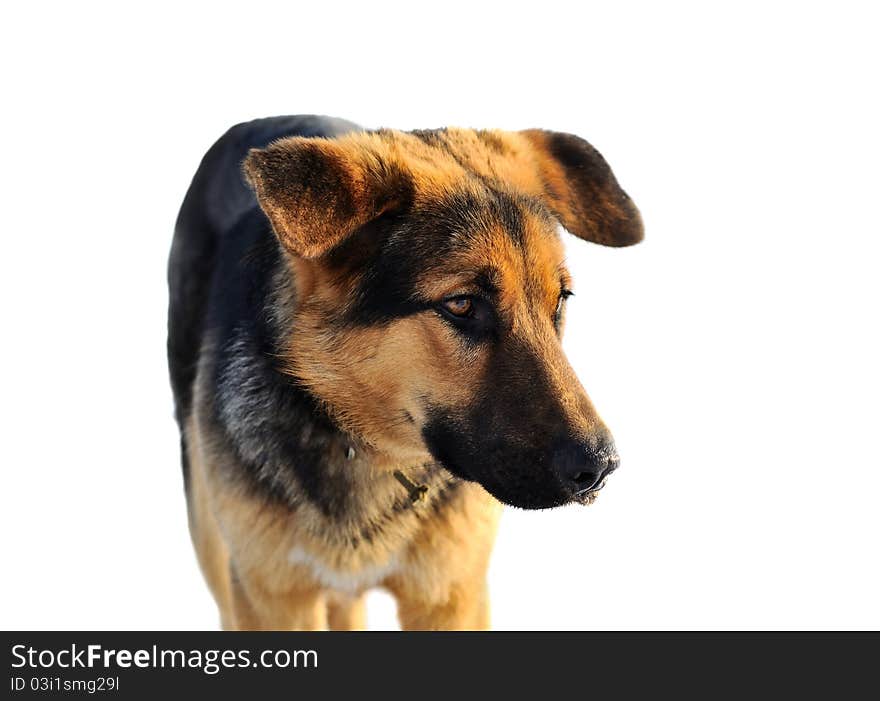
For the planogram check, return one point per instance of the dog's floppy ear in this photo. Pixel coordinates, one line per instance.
(581, 190)
(316, 192)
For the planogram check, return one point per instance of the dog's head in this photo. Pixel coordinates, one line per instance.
(430, 290)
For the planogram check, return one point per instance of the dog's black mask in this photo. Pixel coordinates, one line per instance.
(518, 439)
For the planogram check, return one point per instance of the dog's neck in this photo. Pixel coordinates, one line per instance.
(297, 454)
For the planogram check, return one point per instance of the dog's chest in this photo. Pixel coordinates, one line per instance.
(350, 580)
(367, 546)
(371, 544)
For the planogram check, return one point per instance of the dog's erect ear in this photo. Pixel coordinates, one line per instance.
(581, 190)
(317, 192)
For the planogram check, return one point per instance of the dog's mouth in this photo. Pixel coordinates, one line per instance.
(588, 496)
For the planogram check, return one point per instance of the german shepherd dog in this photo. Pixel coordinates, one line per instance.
(364, 346)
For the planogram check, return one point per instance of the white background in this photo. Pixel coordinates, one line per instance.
(733, 354)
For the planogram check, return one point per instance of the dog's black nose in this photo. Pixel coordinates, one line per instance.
(582, 466)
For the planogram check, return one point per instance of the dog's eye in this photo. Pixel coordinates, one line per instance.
(461, 307)
(471, 315)
(560, 305)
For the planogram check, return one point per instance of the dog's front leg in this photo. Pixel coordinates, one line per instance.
(441, 582)
(346, 612)
(461, 606)
(257, 606)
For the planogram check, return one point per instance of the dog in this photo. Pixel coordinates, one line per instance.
(364, 348)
